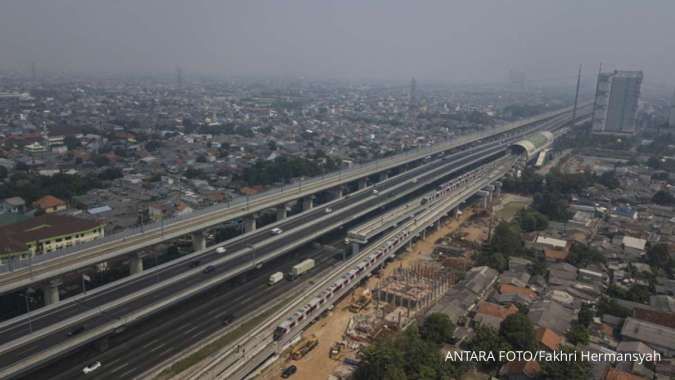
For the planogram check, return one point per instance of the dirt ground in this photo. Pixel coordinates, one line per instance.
(316, 364)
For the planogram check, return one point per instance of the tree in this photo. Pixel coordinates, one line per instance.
(586, 314)
(609, 180)
(659, 257)
(531, 220)
(110, 174)
(488, 339)
(566, 369)
(582, 255)
(518, 330)
(101, 160)
(664, 198)
(152, 145)
(578, 334)
(506, 239)
(3, 172)
(437, 328)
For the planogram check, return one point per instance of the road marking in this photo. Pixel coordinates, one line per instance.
(119, 367)
(158, 347)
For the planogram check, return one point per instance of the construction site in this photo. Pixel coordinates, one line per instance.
(390, 300)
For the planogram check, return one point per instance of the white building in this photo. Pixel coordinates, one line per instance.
(616, 102)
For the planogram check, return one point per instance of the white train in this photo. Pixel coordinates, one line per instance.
(310, 310)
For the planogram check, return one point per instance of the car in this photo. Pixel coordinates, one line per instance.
(76, 330)
(277, 231)
(414, 180)
(221, 249)
(91, 368)
(208, 269)
(375, 191)
(289, 371)
(328, 210)
(195, 264)
(227, 319)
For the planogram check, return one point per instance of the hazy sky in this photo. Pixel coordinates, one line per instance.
(452, 40)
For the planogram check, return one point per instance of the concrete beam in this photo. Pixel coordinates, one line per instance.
(51, 291)
(384, 176)
(198, 240)
(135, 264)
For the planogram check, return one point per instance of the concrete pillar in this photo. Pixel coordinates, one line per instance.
(307, 203)
(355, 248)
(249, 223)
(198, 240)
(384, 176)
(336, 193)
(363, 183)
(282, 213)
(51, 291)
(135, 264)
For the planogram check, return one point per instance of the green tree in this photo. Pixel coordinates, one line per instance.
(488, 339)
(71, 142)
(518, 330)
(578, 334)
(506, 239)
(437, 328)
(531, 220)
(582, 255)
(3, 172)
(586, 314)
(566, 370)
(659, 257)
(609, 180)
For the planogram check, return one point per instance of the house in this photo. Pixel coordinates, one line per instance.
(552, 315)
(548, 338)
(13, 205)
(46, 233)
(479, 280)
(520, 370)
(492, 315)
(525, 292)
(617, 374)
(49, 204)
(661, 338)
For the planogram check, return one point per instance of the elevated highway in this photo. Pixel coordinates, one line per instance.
(113, 307)
(48, 266)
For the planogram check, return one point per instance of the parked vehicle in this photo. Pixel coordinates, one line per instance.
(277, 231)
(220, 250)
(275, 277)
(289, 371)
(301, 268)
(328, 210)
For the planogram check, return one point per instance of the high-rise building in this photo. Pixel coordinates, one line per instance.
(671, 121)
(616, 102)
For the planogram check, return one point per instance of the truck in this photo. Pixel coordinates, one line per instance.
(301, 268)
(274, 278)
(303, 347)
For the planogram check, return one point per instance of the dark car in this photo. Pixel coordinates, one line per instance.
(289, 371)
(209, 269)
(76, 330)
(195, 264)
(229, 318)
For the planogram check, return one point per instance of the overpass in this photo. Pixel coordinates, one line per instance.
(46, 269)
(116, 305)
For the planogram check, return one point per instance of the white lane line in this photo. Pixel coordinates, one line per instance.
(158, 347)
(119, 367)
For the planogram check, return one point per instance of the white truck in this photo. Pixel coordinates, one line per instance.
(274, 278)
(301, 268)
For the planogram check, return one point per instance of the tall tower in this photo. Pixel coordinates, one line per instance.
(576, 97)
(33, 71)
(671, 121)
(616, 102)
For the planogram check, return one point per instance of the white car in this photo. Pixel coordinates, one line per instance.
(277, 231)
(91, 368)
(221, 250)
(375, 191)
(328, 210)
